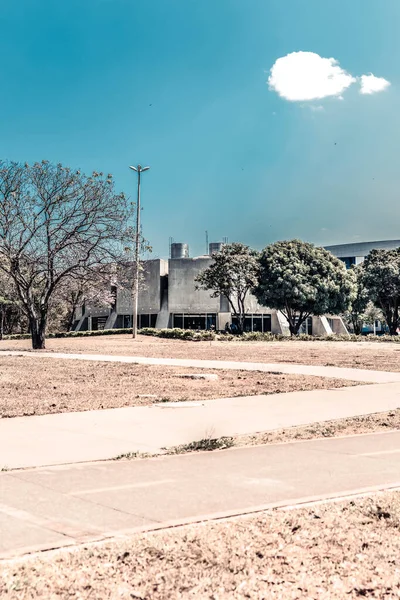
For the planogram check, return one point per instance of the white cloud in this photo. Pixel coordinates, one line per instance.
(316, 108)
(307, 76)
(371, 84)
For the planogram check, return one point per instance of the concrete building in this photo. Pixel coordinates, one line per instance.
(168, 298)
(354, 254)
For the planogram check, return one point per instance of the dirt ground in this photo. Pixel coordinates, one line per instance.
(340, 550)
(382, 356)
(37, 386)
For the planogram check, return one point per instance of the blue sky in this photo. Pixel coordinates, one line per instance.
(181, 85)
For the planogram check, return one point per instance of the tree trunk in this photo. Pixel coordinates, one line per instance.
(240, 324)
(392, 321)
(295, 324)
(70, 319)
(357, 326)
(38, 331)
(1, 322)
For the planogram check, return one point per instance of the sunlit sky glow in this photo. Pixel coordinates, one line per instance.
(261, 119)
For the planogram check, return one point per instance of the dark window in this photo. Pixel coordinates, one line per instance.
(349, 261)
(127, 321)
(247, 323)
(178, 321)
(211, 321)
(267, 325)
(194, 321)
(204, 321)
(306, 327)
(144, 321)
(256, 322)
(98, 323)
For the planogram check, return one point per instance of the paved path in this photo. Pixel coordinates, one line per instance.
(336, 372)
(58, 506)
(101, 434)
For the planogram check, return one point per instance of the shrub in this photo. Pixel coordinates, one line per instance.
(179, 334)
(68, 334)
(201, 336)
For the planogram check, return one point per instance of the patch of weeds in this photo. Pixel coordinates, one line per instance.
(382, 514)
(5, 468)
(206, 444)
(132, 455)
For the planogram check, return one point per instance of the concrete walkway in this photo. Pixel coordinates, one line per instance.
(102, 434)
(337, 372)
(60, 506)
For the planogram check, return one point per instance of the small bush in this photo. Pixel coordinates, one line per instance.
(68, 334)
(179, 334)
(201, 336)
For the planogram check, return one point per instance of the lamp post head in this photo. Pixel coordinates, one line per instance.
(139, 169)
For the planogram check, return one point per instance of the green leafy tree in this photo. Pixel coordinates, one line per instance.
(373, 314)
(301, 280)
(356, 314)
(233, 273)
(56, 224)
(381, 270)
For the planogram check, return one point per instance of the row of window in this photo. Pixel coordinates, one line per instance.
(202, 321)
(125, 321)
(252, 322)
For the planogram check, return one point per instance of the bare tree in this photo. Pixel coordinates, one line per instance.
(56, 224)
(94, 289)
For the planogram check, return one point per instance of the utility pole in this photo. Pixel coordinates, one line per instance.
(136, 271)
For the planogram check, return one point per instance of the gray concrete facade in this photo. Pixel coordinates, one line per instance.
(168, 297)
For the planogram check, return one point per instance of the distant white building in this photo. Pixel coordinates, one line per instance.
(354, 254)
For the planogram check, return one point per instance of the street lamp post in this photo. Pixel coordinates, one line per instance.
(135, 284)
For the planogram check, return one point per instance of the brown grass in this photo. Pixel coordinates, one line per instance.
(383, 421)
(37, 386)
(358, 355)
(330, 551)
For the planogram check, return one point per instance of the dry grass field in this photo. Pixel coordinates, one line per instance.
(384, 421)
(37, 386)
(342, 550)
(382, 356)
